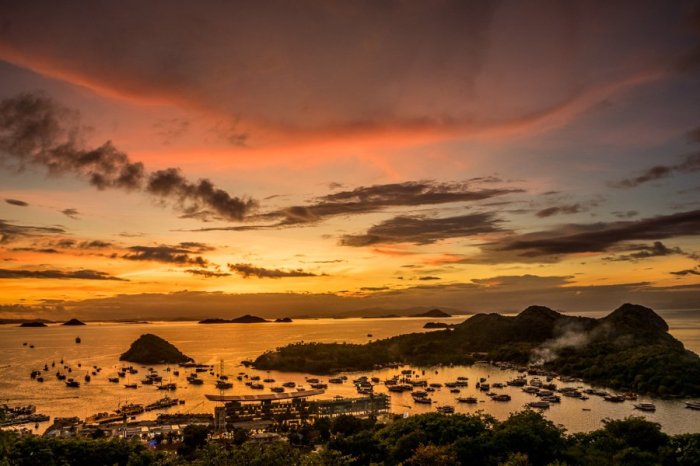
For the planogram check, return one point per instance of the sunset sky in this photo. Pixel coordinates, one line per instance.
(169, 159)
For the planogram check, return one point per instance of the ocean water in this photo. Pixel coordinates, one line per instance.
(102, 343)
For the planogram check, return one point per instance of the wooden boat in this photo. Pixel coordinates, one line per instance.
(645, 406)
(468, 400)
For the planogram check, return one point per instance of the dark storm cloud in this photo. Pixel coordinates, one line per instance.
(368, 199)
(424, 230)
(83, 274)
(168, 254)
(17, 202)
(248, 270)
(71, 213)
(37, 132)
(10, 232)
(690, 164)
(207, 273)
(643, 251)
(196, 197)
(600, 237)
(562, 209)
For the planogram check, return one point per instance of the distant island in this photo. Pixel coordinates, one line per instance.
(437, 325)
(152, 349)
(33, 324)
(629, 349)
(435, 313)
(246, 319)
(285, 320)
(73, 322)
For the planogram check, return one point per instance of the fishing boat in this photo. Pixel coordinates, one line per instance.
(539, 404)
(692, 405)
(113, 379)
(277, 389)
(446, 409)
(501, 397)
(167, 386)
(163, 403)
(469, 400)
(645, 406)
(130, 385)
(71, 383)
(223, 385)
(77, 340)
(422, 400)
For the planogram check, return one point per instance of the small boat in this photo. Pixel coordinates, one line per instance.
(257, 386)
(446, 409)
(692, 405)
(501, 397)
(645, 406)
(289, 384)
(614, 398)
(71, 383)
(422, 400)
(77, 340)
(469, 400)
(113, 379)
(167, 386)
(539, 404)
(87, 377)
(130, 385)
(277, 389)
(223, 385)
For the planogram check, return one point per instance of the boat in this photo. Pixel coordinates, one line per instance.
(446, 409)
(131, 409)
(319, 386)
(130, 385)
(167, 386)
(551, 399)
(87, 377)
(277, 389)
(539, 404)
(470, 400)
(163, 403)
(113, 379)
(614, 398)
(71, 383)
(692, 405)
(77, 340)
(289, 384)
(223, 385)
(645, 406)
(104, 418)
(257, 386)
(422, 400)
(501, 397)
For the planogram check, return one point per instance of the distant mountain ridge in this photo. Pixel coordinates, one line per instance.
(628, 349)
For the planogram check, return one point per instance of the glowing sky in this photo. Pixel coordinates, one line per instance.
(180, 159)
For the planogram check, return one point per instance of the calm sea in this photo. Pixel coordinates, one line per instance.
(102, 343)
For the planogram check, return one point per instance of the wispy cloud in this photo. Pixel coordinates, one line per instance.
(424, 230)
(82, 274)
(17, 202)
(248, 270)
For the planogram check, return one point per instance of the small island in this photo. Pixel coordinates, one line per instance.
(152, 349)
(246, 319)
(73, 322)
(432, 325)
(284, 320)
(32, 324)
(434, 313)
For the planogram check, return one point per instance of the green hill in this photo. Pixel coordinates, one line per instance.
(152, 349)
(629, 349)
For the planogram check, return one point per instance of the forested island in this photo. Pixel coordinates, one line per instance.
(628, 349)
(152, 349)
(525, 438)
(246, 319)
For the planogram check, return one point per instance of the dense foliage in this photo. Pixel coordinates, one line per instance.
(525, 438)
(630, 349)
